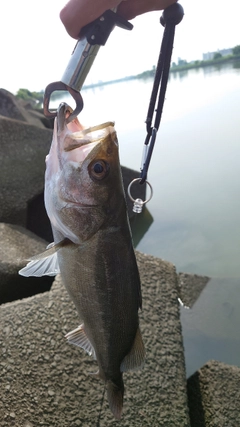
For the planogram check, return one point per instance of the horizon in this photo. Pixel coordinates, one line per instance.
(115, 80)
(35, 52)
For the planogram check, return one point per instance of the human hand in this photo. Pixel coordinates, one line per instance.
(78, 13)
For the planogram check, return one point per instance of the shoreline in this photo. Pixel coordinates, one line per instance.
(178, 68)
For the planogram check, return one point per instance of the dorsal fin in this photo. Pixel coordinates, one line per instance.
(78, 337)
(136, 356)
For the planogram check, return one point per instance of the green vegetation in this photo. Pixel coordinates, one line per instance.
(35, 98)
(236, 50)
(217, 55)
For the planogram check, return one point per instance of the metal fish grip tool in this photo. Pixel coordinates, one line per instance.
(92, 37)
(170, 18)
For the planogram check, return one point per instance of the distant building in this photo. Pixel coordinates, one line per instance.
(210, 55)
(181, 61)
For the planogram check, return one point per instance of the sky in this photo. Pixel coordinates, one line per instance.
(35, 48)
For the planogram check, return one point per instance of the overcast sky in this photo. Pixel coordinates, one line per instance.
(35, 48)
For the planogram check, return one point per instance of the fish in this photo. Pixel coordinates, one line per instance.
(93, 249)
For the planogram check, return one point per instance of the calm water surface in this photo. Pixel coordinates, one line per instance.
(195, 174)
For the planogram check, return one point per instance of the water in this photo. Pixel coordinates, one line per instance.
(195, 174)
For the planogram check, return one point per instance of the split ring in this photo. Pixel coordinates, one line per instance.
(137, 180)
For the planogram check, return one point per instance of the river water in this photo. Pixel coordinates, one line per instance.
(195, 174)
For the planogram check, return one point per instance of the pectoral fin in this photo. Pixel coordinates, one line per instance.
(78, 337)
(46, 263)
(41, 267)
(136, 357)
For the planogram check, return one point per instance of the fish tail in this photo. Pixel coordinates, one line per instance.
(115, 391)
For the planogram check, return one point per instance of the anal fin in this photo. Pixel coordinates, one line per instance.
(136, 357)
(78, 337)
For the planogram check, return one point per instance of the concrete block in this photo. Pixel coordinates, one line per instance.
(190, 287)
(22, 158)
(13, 108)
(17, 245)
(213, 395)
(46, 382)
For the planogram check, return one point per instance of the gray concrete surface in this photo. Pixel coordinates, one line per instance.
(18, 245)
(190, 287)
(22, 158)
(46, 382)
(214, 396)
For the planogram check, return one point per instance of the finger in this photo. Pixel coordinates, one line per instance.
(78, 13)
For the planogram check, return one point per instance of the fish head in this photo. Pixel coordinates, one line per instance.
(83, 183)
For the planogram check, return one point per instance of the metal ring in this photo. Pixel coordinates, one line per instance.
(57, 86)
(148, 183)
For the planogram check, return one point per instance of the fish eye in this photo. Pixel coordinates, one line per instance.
(98, 169)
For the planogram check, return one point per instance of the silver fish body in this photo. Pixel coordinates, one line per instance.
(85, 202)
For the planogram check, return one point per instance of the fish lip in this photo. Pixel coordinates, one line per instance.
(62, 115)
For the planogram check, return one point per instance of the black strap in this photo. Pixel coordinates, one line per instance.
(169, 19)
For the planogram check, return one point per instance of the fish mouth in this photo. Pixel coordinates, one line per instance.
(76, 142)
(63, 112)
(76, 136)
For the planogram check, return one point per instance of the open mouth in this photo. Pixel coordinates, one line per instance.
(76, 141)
(79, 144)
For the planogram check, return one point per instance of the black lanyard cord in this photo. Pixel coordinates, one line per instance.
(169, 19)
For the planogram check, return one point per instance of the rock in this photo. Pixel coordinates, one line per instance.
(39, 114)
(190, 287)
(213, 395)
(12, 108)
(22, 157)
(17, 245)
(46, 381)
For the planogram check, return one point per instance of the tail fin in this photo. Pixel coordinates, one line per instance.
(115, 393)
